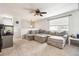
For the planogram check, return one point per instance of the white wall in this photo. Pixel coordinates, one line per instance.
(25, 25)
(17, 28)
(74, 23)
(42, 24)
(21, 28)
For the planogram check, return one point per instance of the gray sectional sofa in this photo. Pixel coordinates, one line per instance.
(52, 38)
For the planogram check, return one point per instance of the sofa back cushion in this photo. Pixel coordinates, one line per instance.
(30, 32)
(33, 31)
(52, 33)
(61, 33)
(43, 31)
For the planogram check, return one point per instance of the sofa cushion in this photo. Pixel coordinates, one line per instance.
(43, 31)
(52, 33)
(61, 33)
(33, 31)
(30, 32)
(57, 39)
(30, 37)
(41, 38)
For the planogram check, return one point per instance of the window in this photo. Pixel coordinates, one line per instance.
(7, 21)
(60, 24)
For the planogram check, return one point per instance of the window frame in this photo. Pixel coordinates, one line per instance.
(59, 25)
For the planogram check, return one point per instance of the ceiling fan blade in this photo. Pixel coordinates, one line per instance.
(43, 12)
(41, 15)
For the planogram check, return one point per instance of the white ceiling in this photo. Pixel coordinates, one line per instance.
(16, 9)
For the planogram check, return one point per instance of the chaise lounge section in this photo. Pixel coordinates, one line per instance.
(56, 41)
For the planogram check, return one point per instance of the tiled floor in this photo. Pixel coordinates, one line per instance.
(33, 48)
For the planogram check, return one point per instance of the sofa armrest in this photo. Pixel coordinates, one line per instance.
(65, 36)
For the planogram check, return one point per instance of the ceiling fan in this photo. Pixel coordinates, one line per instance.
(36, 12)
